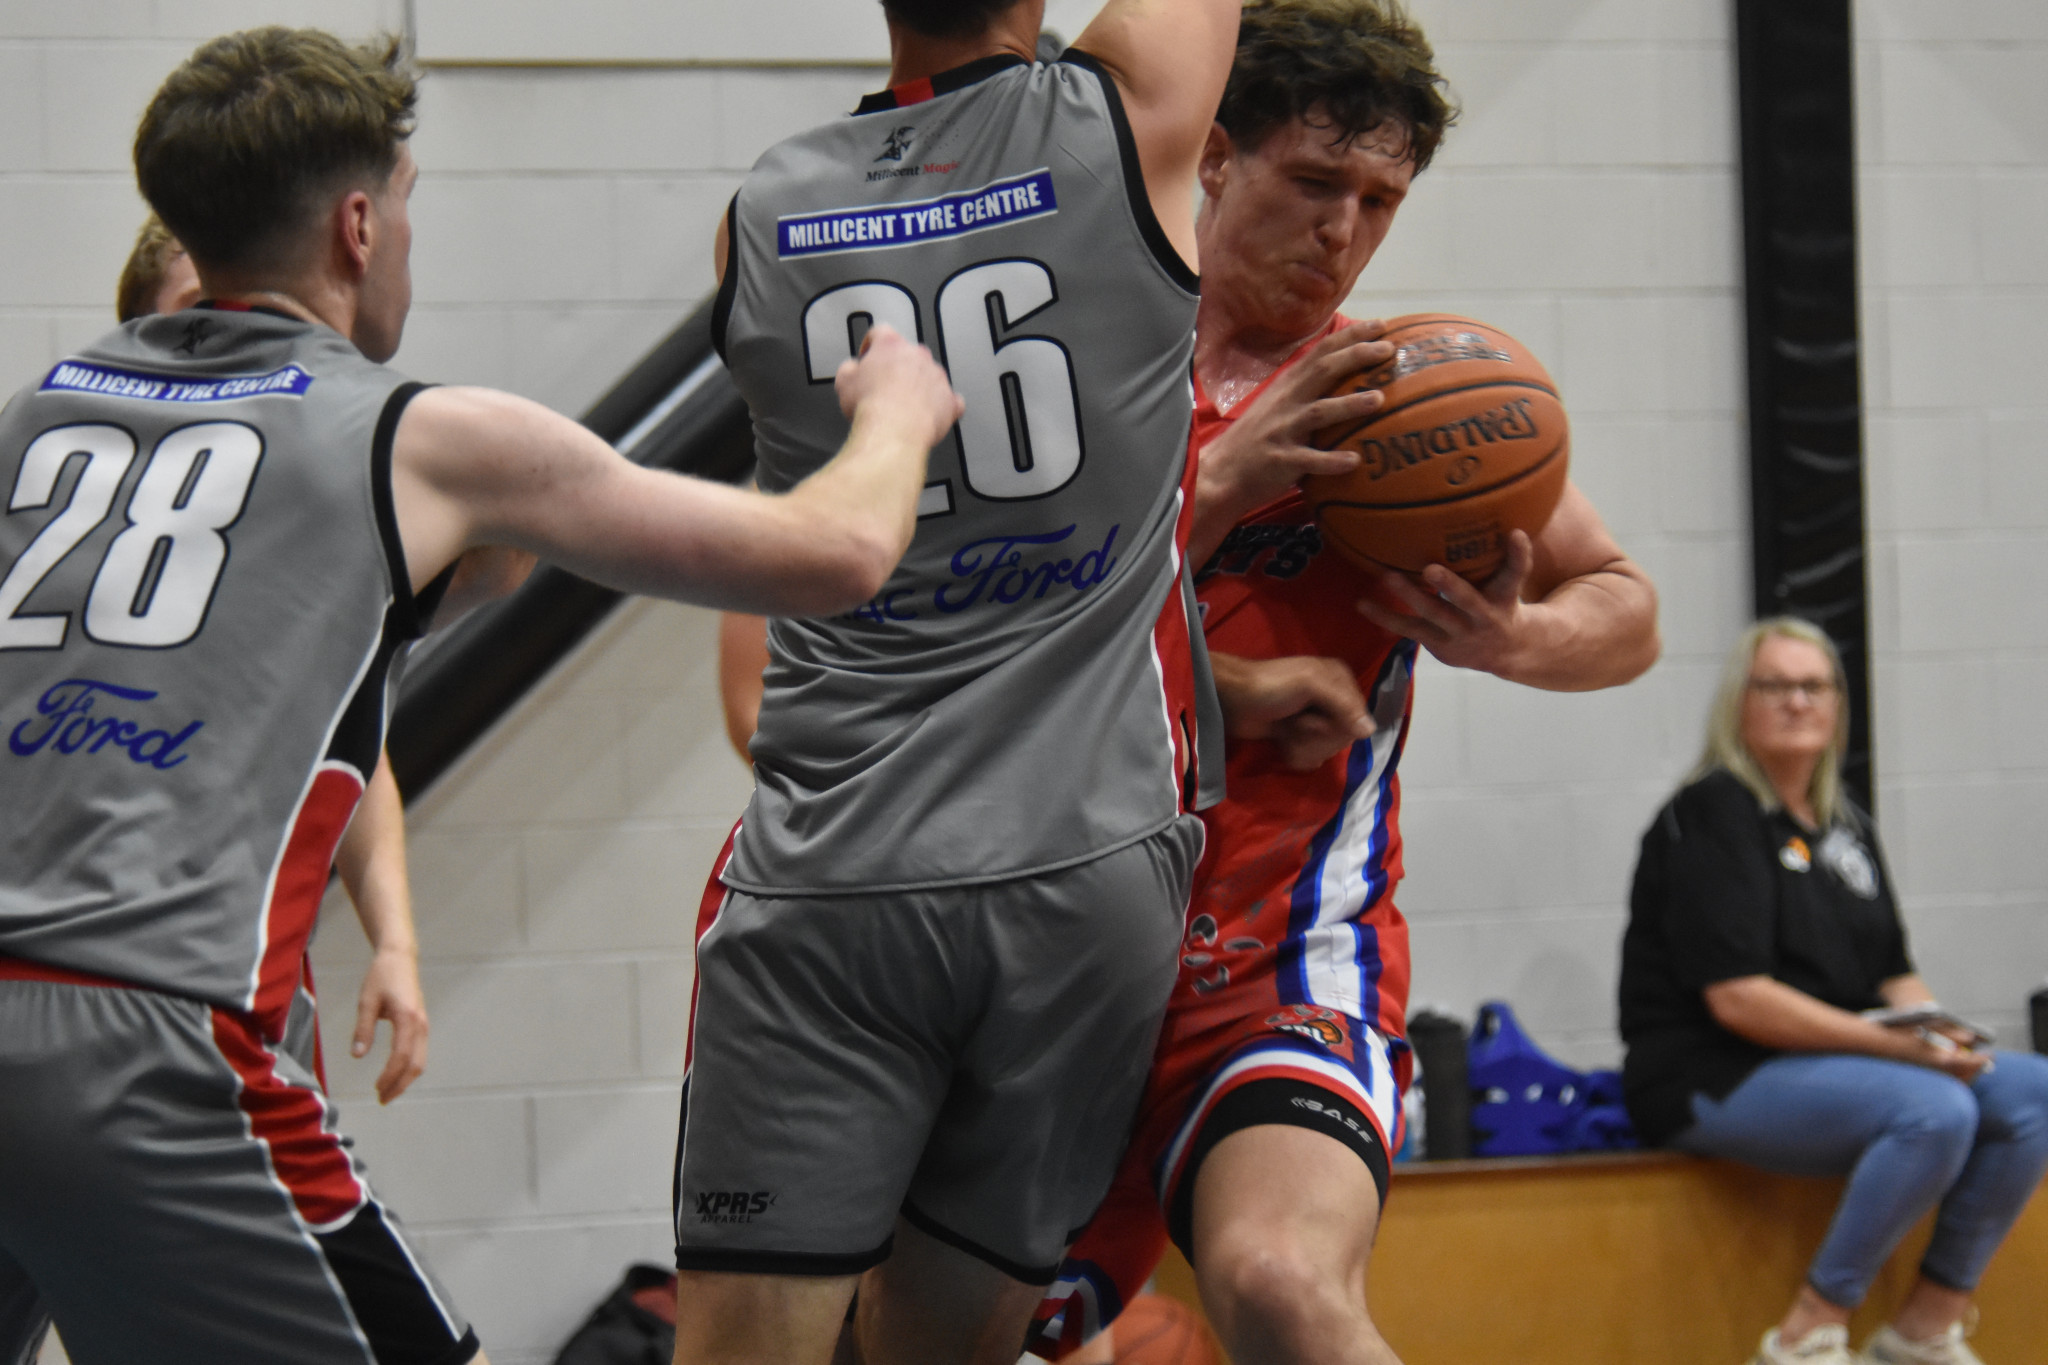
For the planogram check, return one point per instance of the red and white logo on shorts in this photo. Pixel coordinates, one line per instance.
(1313, 1022)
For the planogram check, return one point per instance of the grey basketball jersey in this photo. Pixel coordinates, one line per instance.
(201, 595)
(1021, 695)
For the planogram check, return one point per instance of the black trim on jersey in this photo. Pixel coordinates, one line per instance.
(391, 1301)
(1272, 1101)
(407, 612)
(1134, 176)
(1023, 1274)
(945, 83)
(741, 1262)
(729, 283)
(215, 306)
(427, 601)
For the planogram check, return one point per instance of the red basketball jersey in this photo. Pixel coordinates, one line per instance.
(1296, 885)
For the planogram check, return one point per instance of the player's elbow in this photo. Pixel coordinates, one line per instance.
(843, 571)
(1741, 1005)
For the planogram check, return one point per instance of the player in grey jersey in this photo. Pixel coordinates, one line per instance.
(936, 958)
(221, 529)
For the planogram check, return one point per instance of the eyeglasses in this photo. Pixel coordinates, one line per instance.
(1811, 690)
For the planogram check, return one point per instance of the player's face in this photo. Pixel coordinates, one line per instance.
(386, 295)
(1790, 707)
(1292, 222)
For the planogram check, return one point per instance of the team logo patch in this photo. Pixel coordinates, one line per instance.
(1313, 1022)
(1795, 856)
(1842, 855)
(898, 143)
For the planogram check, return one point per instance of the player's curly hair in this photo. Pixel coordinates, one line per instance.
(245, 141)
(1361, 64)
(143, 276)
(946, 18)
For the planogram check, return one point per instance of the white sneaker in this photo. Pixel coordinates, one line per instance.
(1822, 1346)
(1889, 1348)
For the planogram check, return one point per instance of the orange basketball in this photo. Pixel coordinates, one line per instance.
(1471, 444)
(1157, 1330)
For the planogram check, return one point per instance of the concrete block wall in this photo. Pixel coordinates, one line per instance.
(1953, 130)
(557, 875)
(1589, 202)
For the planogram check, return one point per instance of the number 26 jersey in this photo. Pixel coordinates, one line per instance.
(201, 596)
(1025, 692)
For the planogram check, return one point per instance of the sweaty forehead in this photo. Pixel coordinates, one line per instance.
(1379, 155)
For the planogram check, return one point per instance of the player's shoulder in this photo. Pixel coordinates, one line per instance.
(1716, 801)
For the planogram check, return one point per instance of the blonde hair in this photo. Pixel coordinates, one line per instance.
(1726, 751)
(143, 277)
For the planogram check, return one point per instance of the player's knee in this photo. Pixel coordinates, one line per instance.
(1279, 1292)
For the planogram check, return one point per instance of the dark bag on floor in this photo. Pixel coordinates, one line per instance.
(636, 1325)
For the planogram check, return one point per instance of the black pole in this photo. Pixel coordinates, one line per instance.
(1797, 79)
(681, 412)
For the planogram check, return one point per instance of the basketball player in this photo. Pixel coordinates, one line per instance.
(1265, 1136)
(221, 527)
(936, 959)
(159, 278)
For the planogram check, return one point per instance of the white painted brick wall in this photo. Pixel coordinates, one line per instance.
(557, 874)
(1953, 125)
(1588, 203)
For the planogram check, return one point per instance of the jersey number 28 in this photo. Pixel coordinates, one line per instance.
(159, 575)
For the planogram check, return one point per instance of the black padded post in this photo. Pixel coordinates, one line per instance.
(461, 682)
(1805, 399)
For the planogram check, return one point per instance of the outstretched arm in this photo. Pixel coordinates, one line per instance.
(1567, 612)
(371, 863)
(474, 466)
(1169, 59)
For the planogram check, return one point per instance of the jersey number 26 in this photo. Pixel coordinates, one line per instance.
(1020, 436)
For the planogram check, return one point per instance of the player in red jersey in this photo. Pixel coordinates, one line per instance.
(1264, 1139)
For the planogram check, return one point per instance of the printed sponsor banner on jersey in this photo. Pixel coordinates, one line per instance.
(929, 220)
(78, 376)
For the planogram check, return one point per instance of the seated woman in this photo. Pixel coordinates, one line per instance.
(1761, 924)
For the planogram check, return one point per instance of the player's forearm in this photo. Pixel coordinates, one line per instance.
(371, 864)
(858, 513)
(1596, 630)
(1901, 991)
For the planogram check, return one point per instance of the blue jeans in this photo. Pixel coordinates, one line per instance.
(1907, 1138)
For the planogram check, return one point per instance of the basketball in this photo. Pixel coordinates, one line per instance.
(1157, 1330)
(1471, 444)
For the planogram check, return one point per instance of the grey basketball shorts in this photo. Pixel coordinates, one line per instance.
(172, 1191)
(968, 1059)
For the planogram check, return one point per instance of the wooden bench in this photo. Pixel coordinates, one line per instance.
(1634, 1259)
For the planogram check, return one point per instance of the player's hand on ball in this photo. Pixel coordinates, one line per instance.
(1467, 626)
(902, 379)
(1269, 447)
(391, 990)
(1310, 707)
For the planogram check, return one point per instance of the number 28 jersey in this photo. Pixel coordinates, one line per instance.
(201, 595)
(1021, 695)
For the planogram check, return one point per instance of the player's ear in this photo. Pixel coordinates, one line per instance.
(1217, 152)
(353, 228)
